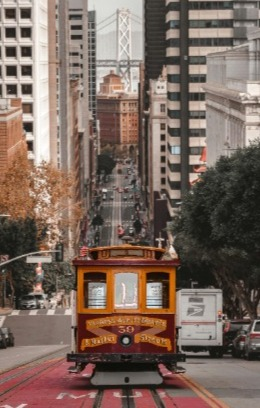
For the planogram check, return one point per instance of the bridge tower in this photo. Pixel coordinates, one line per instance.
(124, 47)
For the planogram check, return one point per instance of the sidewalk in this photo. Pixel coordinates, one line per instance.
(5, 311)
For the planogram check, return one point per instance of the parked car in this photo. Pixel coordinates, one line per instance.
(252, 340)
(2, 340)
(8, 335)
(33, 301)
(230, 329)
(239, 341)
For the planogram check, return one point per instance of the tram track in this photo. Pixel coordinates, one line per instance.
(13, 378)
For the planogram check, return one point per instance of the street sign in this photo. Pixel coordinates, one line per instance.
(37, 259)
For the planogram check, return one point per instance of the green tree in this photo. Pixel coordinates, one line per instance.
(218, 229)
(18, 237)
(105, 164)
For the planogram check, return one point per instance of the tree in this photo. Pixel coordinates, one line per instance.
(105, 164)
(97, 220)
(218, 228)
(40, 202)
(43, 193)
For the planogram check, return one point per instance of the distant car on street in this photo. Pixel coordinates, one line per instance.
(252, 340)
(8, 335)
(231, 327)
(2, 340)
(239, 342)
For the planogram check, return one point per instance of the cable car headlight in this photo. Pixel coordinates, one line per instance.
(125, 340)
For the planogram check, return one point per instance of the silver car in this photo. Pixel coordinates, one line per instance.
(252, 340)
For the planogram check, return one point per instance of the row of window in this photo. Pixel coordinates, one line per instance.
(12, 52)
(202, 24)
(11, 32)
(12, 89)
(193, 150)
(193, 96)
(11, 13)
(202, 5)
(176, 114)
(176, 132)
(195, 60)
(202, 42)
(193, 78)
(126, 291)
(12, 70)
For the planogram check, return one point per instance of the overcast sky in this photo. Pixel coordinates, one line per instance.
(108, 8)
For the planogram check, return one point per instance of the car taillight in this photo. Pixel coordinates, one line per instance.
(254, 335)
(242, 338)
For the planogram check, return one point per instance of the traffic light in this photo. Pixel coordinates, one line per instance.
(59, 254)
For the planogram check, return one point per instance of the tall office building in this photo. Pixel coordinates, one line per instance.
(194, 29)
(24, 68)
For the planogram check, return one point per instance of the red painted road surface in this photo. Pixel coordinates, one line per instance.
(49, 385)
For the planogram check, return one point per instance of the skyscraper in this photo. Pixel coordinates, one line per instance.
(193, 30)
(24, 69)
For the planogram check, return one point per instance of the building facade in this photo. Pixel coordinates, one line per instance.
(232, 99)
(12, 135)
(194, 30)
(117, 113)
(24, 69)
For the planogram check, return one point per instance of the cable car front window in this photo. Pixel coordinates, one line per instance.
(157, 290)
(126, 290)
(95, 290)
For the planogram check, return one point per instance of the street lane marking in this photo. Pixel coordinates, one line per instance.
(203, 393)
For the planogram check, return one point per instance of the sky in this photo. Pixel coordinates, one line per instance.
(107, 8)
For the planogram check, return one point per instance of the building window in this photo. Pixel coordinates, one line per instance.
(10, 14)
(26, 89)
(163, 159)
(196, 96)
(174, 78)
(26, 70)
(1, 92)
(197, 78)
(76, 27)
(10, 32)
(25, 13)
(26, 51)
(76, 37)
(162, 126)
(28, 127)
(163, 181)
(174, 114)
(10, 52)
(26, 32)
(197, 114)
(162, 149)
(162, 108)
(174, 96)
(162, 138)
(196, 150)
(197, 60)
(11, 70)
(11, 90)
(163, 170)
(175, 149)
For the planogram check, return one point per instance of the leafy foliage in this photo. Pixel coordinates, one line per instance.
(105, 164)
(218, 229)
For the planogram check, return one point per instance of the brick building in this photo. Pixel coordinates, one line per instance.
(12, 135)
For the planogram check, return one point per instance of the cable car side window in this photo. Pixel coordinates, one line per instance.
(157, 290)
(95, 290)
(126, 291)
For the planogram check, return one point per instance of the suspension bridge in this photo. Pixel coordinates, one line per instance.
(124, 63)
